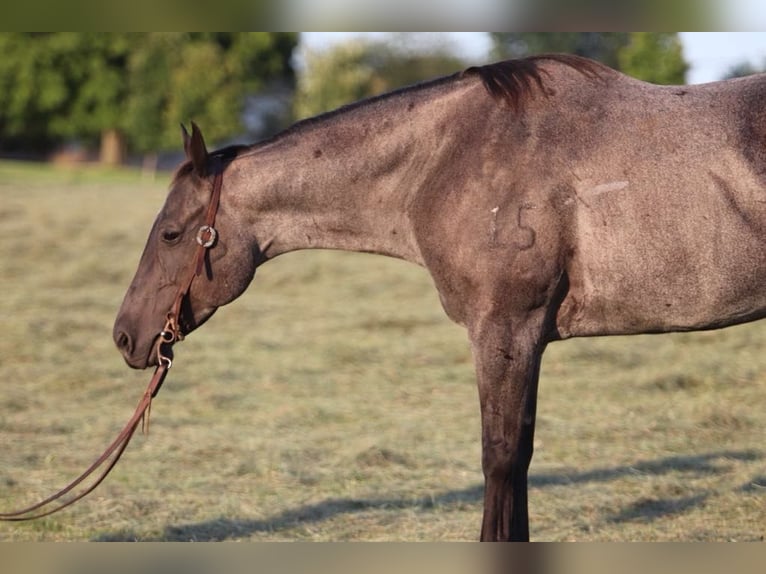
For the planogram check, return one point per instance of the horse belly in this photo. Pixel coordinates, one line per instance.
(685, 262)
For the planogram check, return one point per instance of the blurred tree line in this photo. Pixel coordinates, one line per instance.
(130, 91)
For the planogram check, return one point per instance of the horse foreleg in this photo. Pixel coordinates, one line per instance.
(508, 367)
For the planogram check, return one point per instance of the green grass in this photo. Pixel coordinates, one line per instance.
(335, 401)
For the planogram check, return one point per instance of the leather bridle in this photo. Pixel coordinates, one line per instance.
(171, 333)
(206, 238)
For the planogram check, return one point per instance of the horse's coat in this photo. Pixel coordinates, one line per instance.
(549, 197)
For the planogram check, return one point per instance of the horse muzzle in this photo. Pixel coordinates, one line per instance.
(135, 355)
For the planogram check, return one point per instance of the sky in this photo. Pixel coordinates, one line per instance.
(709, 54)
(712, 54)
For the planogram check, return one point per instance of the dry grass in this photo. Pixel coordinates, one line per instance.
(334, 401)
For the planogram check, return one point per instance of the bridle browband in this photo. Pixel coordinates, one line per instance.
(171, 333)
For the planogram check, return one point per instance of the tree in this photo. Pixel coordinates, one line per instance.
(654, 57)
(132, 90)
(205, 77)
(58, 86)
(358, 69)
(650, 56)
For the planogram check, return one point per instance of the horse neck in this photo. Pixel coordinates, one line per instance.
(346, 181)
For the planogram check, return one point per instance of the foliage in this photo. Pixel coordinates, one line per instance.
(654, 57)
(54, 86)
(176, 77)
(57, 86)
(358, 69)
(650, 56)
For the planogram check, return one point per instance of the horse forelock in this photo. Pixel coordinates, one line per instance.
(515, 81)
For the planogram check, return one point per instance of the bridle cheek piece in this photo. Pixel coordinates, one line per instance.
(206, 238)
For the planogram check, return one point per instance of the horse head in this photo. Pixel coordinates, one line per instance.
(173, 269)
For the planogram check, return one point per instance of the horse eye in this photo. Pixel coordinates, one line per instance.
(170, 236)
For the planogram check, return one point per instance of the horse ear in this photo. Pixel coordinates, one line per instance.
(186, 138)
(194, 147)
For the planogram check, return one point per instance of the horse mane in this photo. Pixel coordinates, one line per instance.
(514, 81)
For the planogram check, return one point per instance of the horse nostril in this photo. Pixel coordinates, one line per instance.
(124, 342)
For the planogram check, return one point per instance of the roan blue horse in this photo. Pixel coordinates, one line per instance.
(548, 197)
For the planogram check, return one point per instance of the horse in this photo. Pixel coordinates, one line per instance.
(548, 197)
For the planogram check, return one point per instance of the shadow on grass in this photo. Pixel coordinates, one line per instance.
(225, 528)
(650, 509)
(756, 485)
(699, 465)
(647, 510)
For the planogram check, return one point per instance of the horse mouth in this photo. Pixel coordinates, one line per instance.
(140, 354)
(137, 352)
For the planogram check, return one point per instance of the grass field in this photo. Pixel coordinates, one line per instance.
(335, 401)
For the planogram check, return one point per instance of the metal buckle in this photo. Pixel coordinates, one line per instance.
(213, 235)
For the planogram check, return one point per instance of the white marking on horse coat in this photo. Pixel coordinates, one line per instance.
(493, 225)
(607, 187)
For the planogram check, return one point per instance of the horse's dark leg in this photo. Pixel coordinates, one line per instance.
(507, 356)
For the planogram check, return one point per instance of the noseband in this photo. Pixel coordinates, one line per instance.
(206, 238)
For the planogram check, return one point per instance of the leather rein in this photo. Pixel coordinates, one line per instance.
(171, 332)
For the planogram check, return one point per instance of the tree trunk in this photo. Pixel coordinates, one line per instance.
(112, 147)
